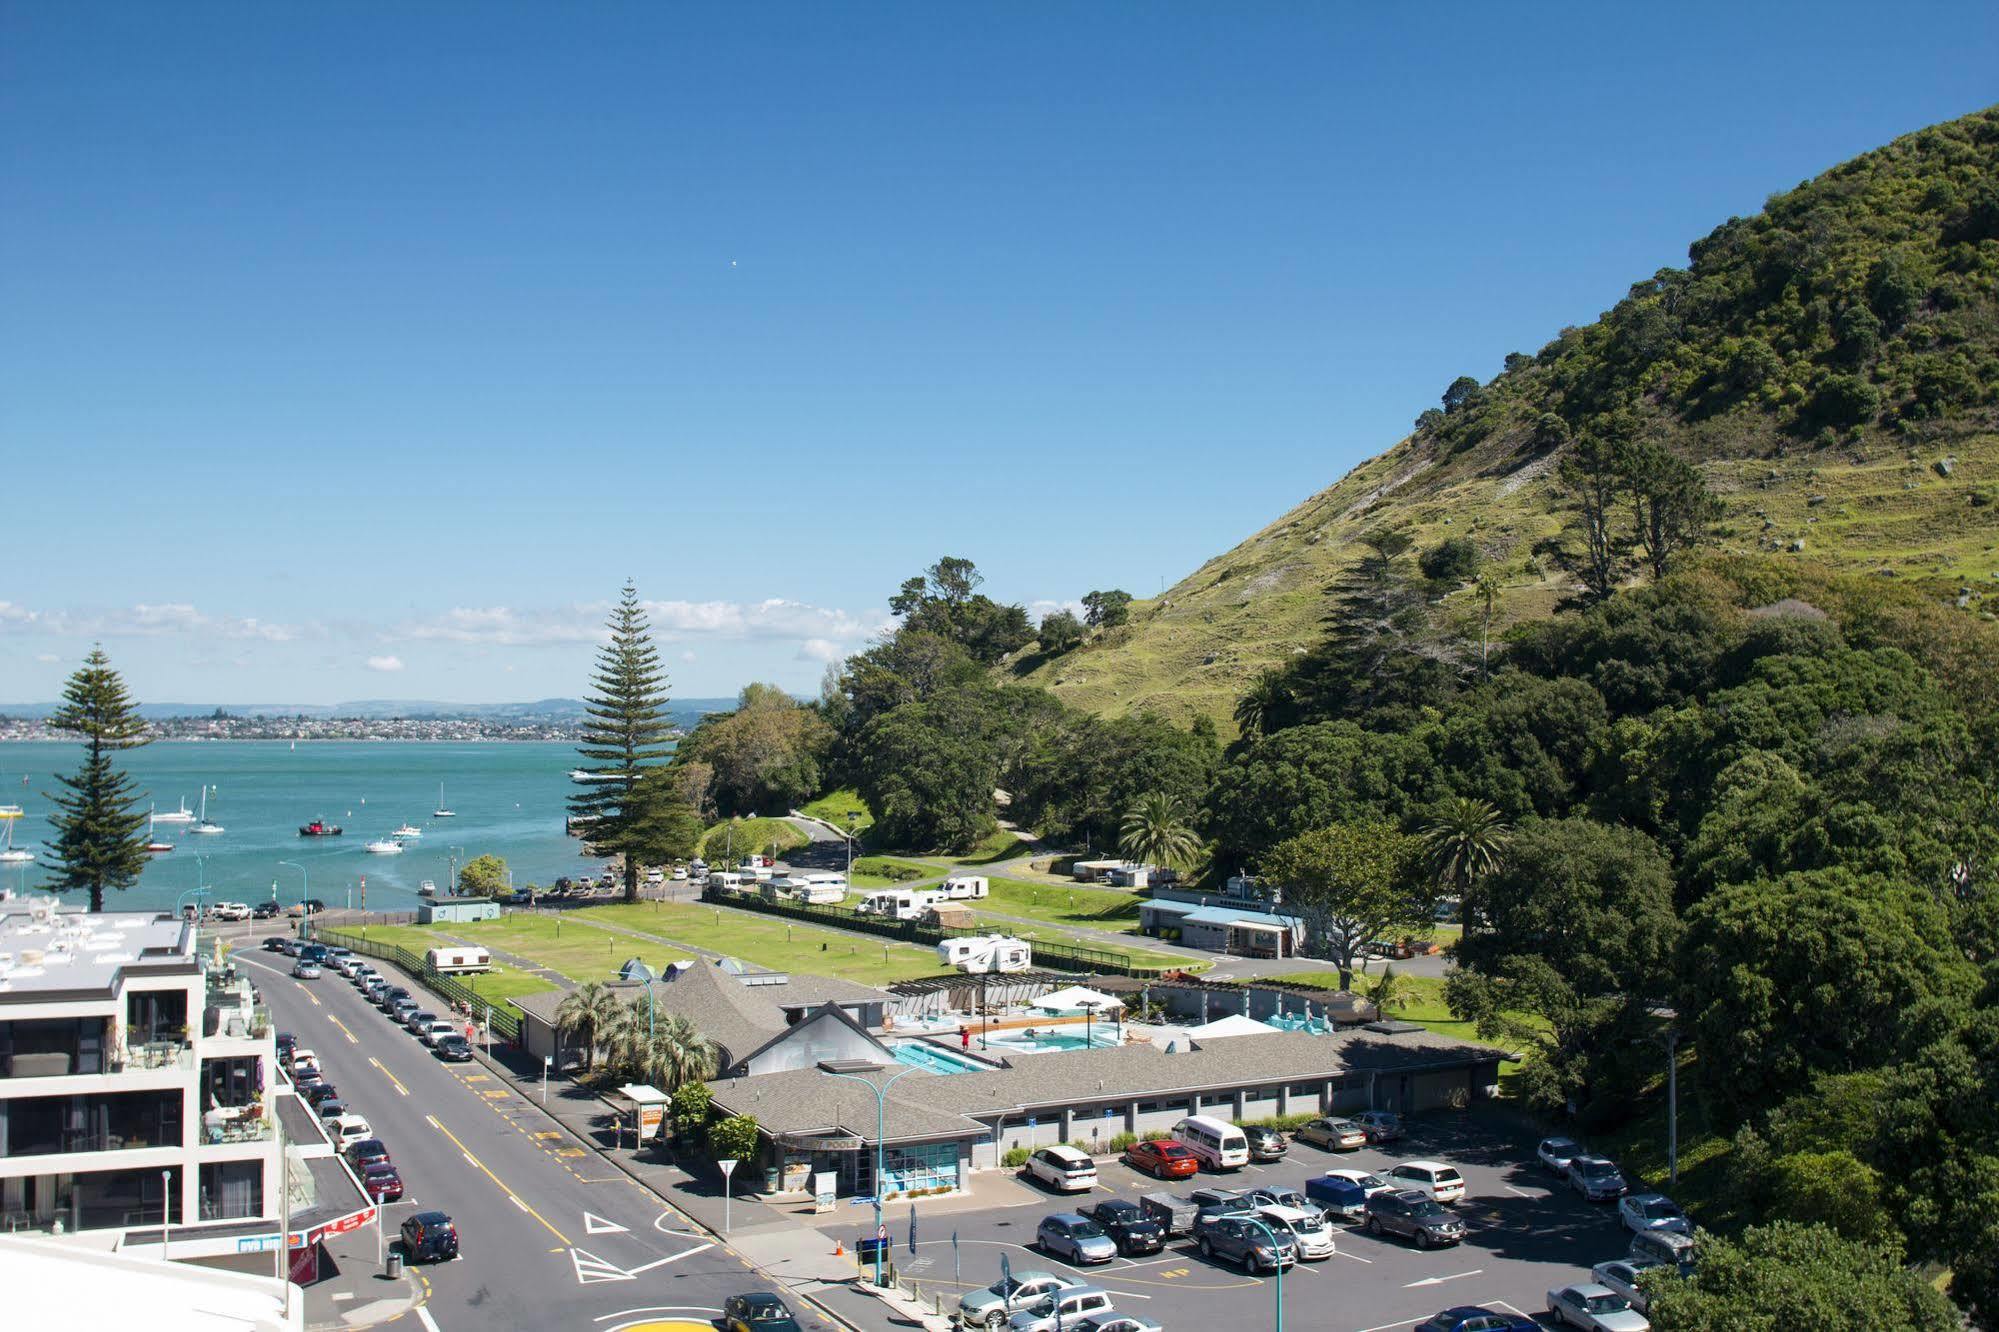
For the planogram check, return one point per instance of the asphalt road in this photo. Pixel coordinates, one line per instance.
(551, 1237)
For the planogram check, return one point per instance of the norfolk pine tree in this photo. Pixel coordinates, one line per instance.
(97, 843)
(625, 736)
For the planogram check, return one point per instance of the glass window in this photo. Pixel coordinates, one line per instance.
(232, 1190)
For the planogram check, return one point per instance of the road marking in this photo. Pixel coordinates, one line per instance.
(1438, 1281)
(1342, 1253)
(423, 1316)
(394, 1079)
(309, 994)
(597, 1225)
(343, 1029)
(518, 1201)
(1520, 1193)
(676, 1257)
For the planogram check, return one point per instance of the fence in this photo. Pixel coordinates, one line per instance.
(504, 1023)
(1056, 956)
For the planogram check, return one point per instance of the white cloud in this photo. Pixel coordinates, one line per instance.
(820, 649)
(385, 663)
(145, 620)
(1037, 609)
(687, 655)
(47, 658)
(775, 618)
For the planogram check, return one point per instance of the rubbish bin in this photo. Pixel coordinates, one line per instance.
(394, 1268)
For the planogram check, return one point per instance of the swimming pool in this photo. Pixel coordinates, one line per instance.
(934, 1058)
(1047, 1042)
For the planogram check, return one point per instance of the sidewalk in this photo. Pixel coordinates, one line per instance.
(356, 1294)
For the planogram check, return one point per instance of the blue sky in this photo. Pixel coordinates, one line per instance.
(359, 351)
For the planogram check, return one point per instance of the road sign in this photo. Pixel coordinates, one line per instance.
(881, 1232)
(868, 1248)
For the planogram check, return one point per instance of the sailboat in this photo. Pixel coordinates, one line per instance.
(441, 812)
(181, 815)
(153, 843)
(9, 854)
(201, 824)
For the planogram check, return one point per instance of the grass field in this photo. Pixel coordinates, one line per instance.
(560, 943)
(1094, 908)
(868, 872)
(781, 945)
(834, 807)
(994, 847)
(749, 835)
(502, 982)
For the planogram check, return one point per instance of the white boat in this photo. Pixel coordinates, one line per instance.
(426, 889)
(10, 854)
(201, 824)
(407, 831)
(441, 812)
(181, 815)
(586, 776)
(388, 846)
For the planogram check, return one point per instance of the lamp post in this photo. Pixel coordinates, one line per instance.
(166, 1213)
(1277, 1263)
(881, 1130)
(1089, 1007)
(546, 1060)
(304, 883)
(852, 815)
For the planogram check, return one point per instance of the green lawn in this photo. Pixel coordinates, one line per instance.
(779, 944)
(502, 982)
(565, 944)
(750, 835)
(996, 846)
(1095, 908)
(1055, 934)
(870, 872)
(834, 807)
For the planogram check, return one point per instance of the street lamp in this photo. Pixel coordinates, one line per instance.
(881, 1131)
(1276, 1262)
(166, 1213)
(1089, 1007)
(852, 815)
(304, 882)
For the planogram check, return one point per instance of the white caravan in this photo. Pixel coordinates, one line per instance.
(965, 887)
(977, 954)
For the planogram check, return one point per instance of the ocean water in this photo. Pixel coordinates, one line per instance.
(509, 799)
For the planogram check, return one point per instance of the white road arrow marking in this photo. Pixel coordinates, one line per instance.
(1438, 1281)
(597, 1225)
(591, 1269)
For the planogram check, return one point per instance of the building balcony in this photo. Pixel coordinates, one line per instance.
(153, 1056)
(220, 1127)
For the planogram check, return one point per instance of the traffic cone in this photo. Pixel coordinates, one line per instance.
(839, 1249)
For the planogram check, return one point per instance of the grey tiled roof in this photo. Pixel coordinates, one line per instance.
(806, 1100)
(817, 990)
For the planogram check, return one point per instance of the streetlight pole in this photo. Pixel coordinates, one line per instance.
(166, 1214)
(881, 1131)
(852, 815)
(1277, 1263)
(304, 883)
(1089, 1007)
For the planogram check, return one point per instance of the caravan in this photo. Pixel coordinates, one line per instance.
(965, 887)
(899, 904)
(976, 954)
(819, 887)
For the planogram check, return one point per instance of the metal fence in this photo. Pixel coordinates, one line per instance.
(1056, 956)
(505, 1022)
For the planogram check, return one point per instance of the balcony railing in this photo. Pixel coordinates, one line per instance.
(147, 1055)
(236, 1130)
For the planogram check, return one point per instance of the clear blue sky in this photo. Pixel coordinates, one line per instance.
(361, 351)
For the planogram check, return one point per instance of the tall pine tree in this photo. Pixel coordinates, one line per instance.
(97, 842)
(625, 739)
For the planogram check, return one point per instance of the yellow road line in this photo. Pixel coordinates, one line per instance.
(343, 1029)
(308, 994)
(390, 1076)
(518, 1201)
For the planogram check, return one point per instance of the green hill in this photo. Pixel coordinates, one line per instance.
(1831, 365)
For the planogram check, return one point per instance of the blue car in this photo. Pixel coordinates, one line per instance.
(1477, 1318)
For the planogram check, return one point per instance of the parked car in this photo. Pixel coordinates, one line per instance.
(1279, 1198)
(1306, 1226)
(401, 1011)
(350, 1128)
(1432, 1179)
(1335, 1135)
(367, 1152)
(429, 1237)
(1595, 1308)
(1652, 1211)
(330, 1109)
(1254, 1245)
(1208, 1217)
(264, 911)
(1380, 1125)
(992, 1305)
(231, 910)
(1115, 1322)
(274, 944)
(1266, 1144)
(1476, 1318)
(304, 1079)
(321, 1092)
(1412, 1215)
(433, 1032)
(304, 970)
(1556, 1153)
(1596, 1178)
(1061, 1309)
(1063, 1169)
(1075, 1237)
(1162, 1159)
(454, 1049)
(758, 1311)
(286, 1043)
(418, 1020)
(1174, 1214)
(1128, 1226)
(383, 1182)
(1666, 1247)
(1622, 1275)
(302, 1059)
(391, 995)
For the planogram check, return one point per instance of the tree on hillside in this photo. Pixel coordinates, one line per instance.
(1061, 631)
(765, 757)
(1464, 841)
(98, 844)
(624, 738)
(1788, 1275)
(1377, 649)
(1671, 503)
(1107, 610)
(1262, 702)
(482, 876)
(1488, 597)
(928, 771)
(946, 601)
(1352, 885)
(1593, 474)
(1156, 832)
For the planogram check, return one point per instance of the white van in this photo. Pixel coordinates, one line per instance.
(965, 887)
(467, 958)
(900, 904)
(1219, 1144)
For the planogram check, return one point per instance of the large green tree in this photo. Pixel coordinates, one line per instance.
(766, 757)
(98, 843)
(1352, 886)
(625, 737)
(1782, 1276)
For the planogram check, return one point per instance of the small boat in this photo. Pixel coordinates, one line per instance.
(181, 815)
(387, 846)
(441, 812)
(408, 830)
(154, 846)
(319, 828)
(586, 776)
(426, 889)
(201, 824)
(11, 854)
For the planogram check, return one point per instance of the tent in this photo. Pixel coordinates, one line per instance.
(1072, 1000)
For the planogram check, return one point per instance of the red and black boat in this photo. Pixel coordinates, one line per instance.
(319, 828)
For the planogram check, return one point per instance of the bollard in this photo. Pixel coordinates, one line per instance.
(393, 1265)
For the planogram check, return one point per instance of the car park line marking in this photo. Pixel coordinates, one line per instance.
(423, 1316)
(1342, 1253)
(1440, 1280)
(393, 1078)
(518, 1202)
(1520, 1193)
(674, 1258)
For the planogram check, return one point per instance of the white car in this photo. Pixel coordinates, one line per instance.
(349, 1128)
(1621, 1275)
(304, 1061)
(1595, 1308)
(437, 1031)
(231, 910)
(679, 873)
(1306, 1225)
(1556, 1153)
(1366, 1181)
(1652, 1211)
(1063, 1169)
(1062, 1309)
(1433, 1179)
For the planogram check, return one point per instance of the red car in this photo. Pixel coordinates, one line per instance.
(383, 1182)
(1162, 1159)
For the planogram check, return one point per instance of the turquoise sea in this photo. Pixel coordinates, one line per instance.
(509, 799)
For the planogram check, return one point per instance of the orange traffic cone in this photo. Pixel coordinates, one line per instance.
(839, 1249)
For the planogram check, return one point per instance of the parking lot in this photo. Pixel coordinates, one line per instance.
(1525, 1235)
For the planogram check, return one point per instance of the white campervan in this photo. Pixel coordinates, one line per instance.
(819, 887)
(965, 887)
(899, 904)
(976, 954)
(1219, 1144)
(448, 960)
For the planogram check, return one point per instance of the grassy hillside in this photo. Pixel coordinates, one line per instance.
(1831, 365)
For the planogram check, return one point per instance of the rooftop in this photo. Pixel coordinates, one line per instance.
(48, 952)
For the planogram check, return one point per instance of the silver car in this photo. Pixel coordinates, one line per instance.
(1622, 1275)
(991, 1306)
(1595, 1308)
(1061, 1310)
(1077, 1238)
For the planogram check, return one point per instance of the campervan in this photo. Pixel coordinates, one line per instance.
(725, 879)
(977, 954)
(965, 887)
(819, 887)
(899, 904)
(446, 960)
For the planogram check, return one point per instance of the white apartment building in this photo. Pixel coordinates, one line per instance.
(138, 1084)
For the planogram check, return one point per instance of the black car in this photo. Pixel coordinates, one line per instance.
(275, 944)
(367, 1152)
(758, 1311)
(313, 906)
(319, 1091)
(1210, 1216)
(1265, 1144)
(1412, 1215)
(264, 911)
(429, 1237)
(1128, 1226)
(455, 1049)
(286, 1044)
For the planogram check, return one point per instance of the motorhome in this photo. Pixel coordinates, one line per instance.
(899, 904)
(819, 887)
(977, 954)
(447, 960)
(965, 887)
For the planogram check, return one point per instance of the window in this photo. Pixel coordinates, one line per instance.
(230, 1082)
(920, 1166)
(123, 1198)
(52, 1047)
(232, 1190)
(107, 1122)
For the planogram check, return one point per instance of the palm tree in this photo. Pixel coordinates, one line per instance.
(665, 1050)
(587, 1015)
(1155, 832)
(1257, 707)
(1390, 993)
(1465, 842)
